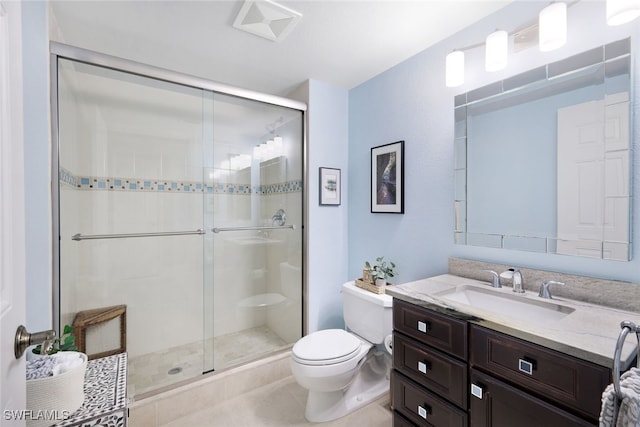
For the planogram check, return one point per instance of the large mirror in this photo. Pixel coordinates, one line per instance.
(543, 158)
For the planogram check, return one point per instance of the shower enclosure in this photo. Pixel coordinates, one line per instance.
(181, 200)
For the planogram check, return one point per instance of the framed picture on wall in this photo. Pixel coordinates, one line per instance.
(387, 178)
(330, 186)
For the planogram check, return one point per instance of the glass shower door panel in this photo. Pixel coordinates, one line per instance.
(257, 240)
(131, 217)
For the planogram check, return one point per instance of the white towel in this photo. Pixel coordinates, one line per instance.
(623, 410)
(66, 361)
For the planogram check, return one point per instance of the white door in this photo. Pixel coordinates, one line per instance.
(12, 226)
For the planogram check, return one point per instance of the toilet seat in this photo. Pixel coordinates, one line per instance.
(326, 347)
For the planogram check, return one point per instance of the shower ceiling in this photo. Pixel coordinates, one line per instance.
(339, 42)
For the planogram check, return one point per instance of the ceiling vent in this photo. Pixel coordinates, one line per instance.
(266, 19)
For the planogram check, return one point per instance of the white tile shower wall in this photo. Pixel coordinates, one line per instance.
(285, 264)
(158, 280)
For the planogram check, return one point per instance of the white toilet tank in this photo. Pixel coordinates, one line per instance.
(367, 314)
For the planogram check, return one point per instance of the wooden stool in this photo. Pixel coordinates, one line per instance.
(87, 318)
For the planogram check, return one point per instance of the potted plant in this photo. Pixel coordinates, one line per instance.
(66, 342)
(380, 270)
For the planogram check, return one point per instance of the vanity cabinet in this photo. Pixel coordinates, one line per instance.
(450, 372)
(430, 367)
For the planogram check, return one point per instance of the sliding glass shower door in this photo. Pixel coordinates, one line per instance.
(256, 244)
(183, 205)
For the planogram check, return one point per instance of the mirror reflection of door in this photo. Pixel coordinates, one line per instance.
(593, 190)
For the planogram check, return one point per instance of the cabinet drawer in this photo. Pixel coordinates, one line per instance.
(422, 407)
(496, 404)
(427, 326)
(435, 370)
(552, 375)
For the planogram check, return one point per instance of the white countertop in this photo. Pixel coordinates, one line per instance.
(589, 332)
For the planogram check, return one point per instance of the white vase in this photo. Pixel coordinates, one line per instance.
(381, 282)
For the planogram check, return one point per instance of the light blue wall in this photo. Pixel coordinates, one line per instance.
(327, 144)
(37, 165)
(410, 102)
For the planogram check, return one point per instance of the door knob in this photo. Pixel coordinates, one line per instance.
(24, 339)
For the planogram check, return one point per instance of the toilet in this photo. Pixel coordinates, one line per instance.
(346, 369)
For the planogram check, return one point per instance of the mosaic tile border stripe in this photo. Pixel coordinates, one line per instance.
(154, 185)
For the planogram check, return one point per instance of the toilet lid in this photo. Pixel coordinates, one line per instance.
(326, 346)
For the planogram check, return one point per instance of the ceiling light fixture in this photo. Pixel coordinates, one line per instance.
(455, 69)
(552, 23)
(496, 50)
(267, 19)
(622, 11)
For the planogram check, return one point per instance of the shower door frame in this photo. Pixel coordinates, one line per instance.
(73, 53)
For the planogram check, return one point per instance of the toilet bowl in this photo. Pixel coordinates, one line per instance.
(327, 360)
(342, 370)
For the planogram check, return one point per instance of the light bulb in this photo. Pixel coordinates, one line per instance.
(496, 50)
(622, 11)
(455, 69)
(552, 26)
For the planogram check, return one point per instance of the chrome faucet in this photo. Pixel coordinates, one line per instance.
(495, 279)
(545, 292)
(516, 279)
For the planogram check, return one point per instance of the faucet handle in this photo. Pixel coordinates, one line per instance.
(545, 291)
(495, 280)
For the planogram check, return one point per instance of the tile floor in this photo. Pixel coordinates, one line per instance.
(281, 404)
(150, 372)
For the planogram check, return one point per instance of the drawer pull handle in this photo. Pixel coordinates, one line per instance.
(476, 391)
(525, 366)
(424, 411)
(424, 326)
(424, 366)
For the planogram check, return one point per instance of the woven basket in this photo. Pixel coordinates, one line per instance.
(371, 287)
(56, 397)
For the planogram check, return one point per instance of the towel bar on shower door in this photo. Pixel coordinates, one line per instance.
(266, 227)
(79, 236)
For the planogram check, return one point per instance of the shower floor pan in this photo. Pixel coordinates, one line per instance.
(154, 371)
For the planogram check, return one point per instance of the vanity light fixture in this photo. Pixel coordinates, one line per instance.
(552, 27)
(455, 69)
(496, 49)
(622, 11)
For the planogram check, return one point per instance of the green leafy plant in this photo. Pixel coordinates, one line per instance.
(381, 269)
(66, 342)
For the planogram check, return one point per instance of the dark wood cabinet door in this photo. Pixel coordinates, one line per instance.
(437, 330)
(501, 405)
(554, 376)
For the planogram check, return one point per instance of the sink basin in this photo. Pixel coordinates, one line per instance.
(509, 305)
